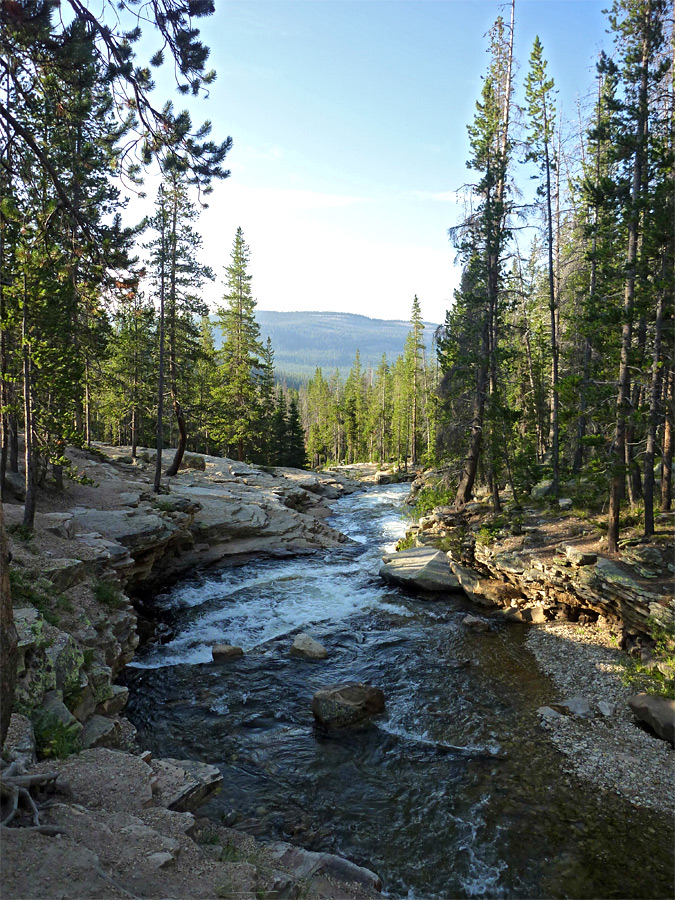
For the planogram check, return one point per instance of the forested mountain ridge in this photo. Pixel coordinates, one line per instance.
(305, 341)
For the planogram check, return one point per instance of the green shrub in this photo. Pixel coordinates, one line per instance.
(639, 678)
(488, 532)
(109, 594)
(230, 853)
(22, 532)
(31, 594)
(431, 497)
(406, 543)
(53, 738)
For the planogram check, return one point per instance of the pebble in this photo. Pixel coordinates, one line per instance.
(611, 751)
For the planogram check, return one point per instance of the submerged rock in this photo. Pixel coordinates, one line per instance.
(422, 569)
(476, 624)
(345, 705)
(306, 647)
(657, 712)
(225, 652)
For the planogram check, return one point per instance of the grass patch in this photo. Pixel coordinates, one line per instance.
(22, 532)
(208, 837)
(230, 853)
(25, 593)
(108, 594)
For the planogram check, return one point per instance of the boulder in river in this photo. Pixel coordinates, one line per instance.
(345, 705)
(476, 624)
(421, 569)
(225, 652)
(657, 712)
(306, 647)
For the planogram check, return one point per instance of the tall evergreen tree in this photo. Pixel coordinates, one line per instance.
(541, 111)
(241, 355)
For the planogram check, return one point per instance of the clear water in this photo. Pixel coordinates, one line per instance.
(455, 792)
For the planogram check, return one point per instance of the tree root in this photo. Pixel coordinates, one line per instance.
(15, 786)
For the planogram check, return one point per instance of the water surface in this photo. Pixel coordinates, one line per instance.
(455, 792)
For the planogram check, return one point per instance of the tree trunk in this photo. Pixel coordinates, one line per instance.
(134, 432)
(622, 403)
(182, 440)
(8, 637)
(160, 385)
(31, 459)
(470, 468)
(653, 421)
(667, 458)
(555, 435)
(13, 443)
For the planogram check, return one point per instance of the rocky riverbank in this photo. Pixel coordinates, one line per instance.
(120, 824)
(595, 613)
(597, 732)
(108, 538)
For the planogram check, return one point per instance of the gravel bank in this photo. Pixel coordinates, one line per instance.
(610, 751)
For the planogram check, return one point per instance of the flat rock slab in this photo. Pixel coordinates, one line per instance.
(345, 705)
(183, 785)
(420, 569)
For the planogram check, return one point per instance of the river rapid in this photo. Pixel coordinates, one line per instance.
(455, 792)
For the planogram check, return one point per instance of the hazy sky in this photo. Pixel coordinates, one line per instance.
(349, 126)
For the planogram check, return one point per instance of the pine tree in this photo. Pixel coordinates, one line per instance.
(541, 111)
(177, 277)
(482, 239)
(241, 356)
(414, 361)
(638, 27)
(295, 455)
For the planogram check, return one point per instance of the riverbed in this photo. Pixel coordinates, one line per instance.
(455, 792)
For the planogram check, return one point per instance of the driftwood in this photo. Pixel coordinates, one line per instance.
(17, 789)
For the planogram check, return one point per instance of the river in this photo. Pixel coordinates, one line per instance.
(455, 792)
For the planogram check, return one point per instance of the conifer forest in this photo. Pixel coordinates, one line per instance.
(555, 359)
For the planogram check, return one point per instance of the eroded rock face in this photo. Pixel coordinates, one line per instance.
(420, 569)
(657, 712)
(599, 585)
(346, 705)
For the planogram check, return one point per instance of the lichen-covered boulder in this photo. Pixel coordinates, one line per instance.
(345, 705)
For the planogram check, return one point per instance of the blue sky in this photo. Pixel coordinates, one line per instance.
(349, 126)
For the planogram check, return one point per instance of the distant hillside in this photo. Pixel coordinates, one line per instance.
(304, 340)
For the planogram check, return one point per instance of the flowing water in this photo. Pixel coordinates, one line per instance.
(455, 792)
